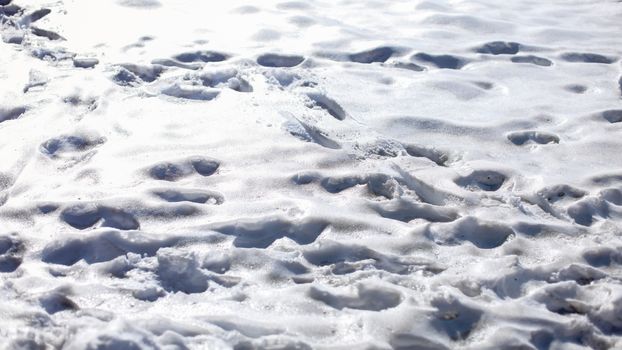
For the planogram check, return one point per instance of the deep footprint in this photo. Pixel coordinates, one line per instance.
(225, 78)
(379, 54)
(482, 234)
(46, 33)
(261, 233)
(561, 192)
(131, 74)
(70, 143)
(181, 272)
(275, 60)
(194, 196)
(408, 66)
(486, 180)
(576, 88)
(441, 61)
(612, 115)
(328, 104)
(34, 16)
(174, 171)
(102, 246)
(349, 258)
(431, 153)
(309, 133)
(499, 48)
(201, 56)
(368, 298)
(11, 113)
(538, 61)
(519, 138)
(190, 92)
(454, 318)
(82, 216)
(406, 211)
(11, 253)
(586, 58)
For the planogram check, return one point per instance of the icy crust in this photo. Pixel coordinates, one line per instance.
(305, 175)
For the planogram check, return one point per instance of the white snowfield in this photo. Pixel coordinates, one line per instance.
(186, 174)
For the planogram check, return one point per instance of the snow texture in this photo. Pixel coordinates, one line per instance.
(310, 174)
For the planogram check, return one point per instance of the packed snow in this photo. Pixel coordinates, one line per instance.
(398, 174)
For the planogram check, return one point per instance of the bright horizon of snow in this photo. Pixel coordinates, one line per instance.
(310, 174)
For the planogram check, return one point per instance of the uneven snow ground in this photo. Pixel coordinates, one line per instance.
(313, 174)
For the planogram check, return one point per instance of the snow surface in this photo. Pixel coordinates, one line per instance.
(310, 174)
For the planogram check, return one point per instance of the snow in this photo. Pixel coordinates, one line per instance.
(309, 174)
